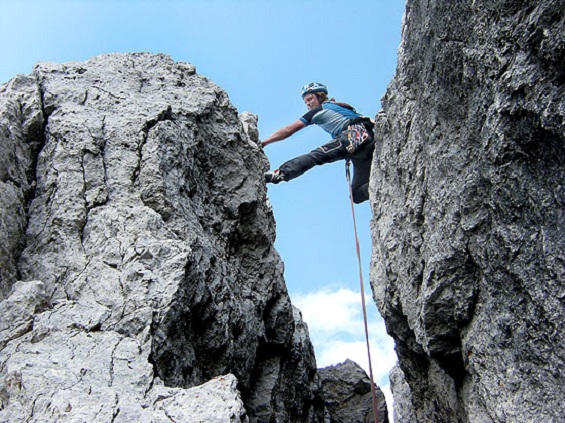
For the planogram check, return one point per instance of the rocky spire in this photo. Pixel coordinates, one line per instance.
(468, 198)
(137, 253)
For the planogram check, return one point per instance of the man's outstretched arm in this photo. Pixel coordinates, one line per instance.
(284, 133)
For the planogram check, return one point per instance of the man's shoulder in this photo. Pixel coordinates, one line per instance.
(309, 115)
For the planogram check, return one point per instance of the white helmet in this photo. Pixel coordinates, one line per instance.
(314, 87)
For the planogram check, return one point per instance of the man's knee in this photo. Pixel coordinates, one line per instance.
(361, 194)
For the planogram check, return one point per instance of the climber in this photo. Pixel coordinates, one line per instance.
(352, 140)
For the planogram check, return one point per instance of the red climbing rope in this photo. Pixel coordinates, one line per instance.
(373, 389)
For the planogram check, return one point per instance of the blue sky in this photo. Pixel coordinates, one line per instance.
(261, 52)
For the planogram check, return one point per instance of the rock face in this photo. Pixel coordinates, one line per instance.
(137, 257)
(403, 405)
(468, 196)
(346, 391)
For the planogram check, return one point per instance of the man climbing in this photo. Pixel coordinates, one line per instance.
(352, 139)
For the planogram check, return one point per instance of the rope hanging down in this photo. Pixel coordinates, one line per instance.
(373, 389)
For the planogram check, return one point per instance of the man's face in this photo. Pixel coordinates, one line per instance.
(311, 101)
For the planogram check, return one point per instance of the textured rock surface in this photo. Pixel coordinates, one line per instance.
(65, 370)
(346, 391)
(403, 405)
(468, 197)
(21, 135)
(133, 207)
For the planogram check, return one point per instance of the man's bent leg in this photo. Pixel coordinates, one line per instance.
(362, 161)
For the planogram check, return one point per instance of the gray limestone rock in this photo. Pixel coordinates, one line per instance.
(216, 401)
(133, 190)
(346, 391)
(21, 135)
(467, 191)
(403, 405)
(18, 310)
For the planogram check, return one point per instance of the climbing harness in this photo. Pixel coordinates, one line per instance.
(373, 390)
(356, 134)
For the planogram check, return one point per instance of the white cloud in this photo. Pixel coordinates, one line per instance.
(335, 322)
(329, 311)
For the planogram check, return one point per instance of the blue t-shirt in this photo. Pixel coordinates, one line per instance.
(331, 117)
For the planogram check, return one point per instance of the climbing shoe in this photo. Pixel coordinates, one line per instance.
(274, 177)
